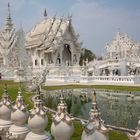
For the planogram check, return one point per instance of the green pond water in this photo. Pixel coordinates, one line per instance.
(119, 109)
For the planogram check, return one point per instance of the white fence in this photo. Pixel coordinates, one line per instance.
(93, 79)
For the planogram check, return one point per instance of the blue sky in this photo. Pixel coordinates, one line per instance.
(97, 21)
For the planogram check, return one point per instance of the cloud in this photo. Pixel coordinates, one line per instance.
(97, 23)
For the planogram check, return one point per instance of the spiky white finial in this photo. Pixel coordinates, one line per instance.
(8, 24)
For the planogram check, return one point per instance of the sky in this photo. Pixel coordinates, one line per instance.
(97, 21)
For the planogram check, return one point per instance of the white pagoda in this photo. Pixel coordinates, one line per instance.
(122, 58)
(8, 40)
(13, 55)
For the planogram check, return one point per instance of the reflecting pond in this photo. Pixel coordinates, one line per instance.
(119, 109)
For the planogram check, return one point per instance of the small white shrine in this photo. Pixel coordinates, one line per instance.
(122, 58)
(120, 63)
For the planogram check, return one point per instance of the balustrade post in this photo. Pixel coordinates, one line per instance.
(38, 121)
(19, 116)
(62, 126)
(5, 114)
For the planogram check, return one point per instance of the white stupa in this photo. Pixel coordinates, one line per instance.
(62, 126)
(38, 122)
(19, 116)
(94, 129)
(5, 114)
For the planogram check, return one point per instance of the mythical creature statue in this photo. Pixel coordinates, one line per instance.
(39, 79)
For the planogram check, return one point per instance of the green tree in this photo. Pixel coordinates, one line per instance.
(88, 54)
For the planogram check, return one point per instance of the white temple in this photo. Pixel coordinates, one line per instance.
(8, 40)
(120, 63)
(53, 43)
(122, 57)
(13, 55)
(51, 52)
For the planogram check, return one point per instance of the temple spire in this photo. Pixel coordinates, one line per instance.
(45, 13)
(8, 22)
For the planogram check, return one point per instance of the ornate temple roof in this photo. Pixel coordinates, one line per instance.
(121, 42)
(122, 46)
(7, 35)
(50, 31)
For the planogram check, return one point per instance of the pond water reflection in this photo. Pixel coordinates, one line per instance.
(119, 109)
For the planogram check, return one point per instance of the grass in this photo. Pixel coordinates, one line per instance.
(13, 92)
(115, 135)
(102, 87)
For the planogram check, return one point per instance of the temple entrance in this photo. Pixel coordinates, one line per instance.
(58, 61)
(66, 55)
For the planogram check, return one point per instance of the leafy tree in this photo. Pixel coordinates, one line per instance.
(100, 58)
(88, 54)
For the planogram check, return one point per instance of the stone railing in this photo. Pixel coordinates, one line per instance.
(93, 79)
(13, 118)
(113, 79)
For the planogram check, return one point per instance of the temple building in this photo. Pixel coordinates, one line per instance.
(8, 39)
(122, 58)
(51, 51)
(13, 54)
(53, 43)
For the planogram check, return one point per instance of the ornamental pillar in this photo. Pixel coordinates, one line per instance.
(95, 128)
(19, 116)
(5, 114)
(62, 126)
(38, 121)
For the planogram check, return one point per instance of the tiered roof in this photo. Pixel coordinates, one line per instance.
(122, 43)
(49, 32)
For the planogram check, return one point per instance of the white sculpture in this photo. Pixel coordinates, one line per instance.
(5, 114)
(94, 129)
(21, 56)
(39, 79)
(62, 126)
(38, 122)
(19, 116)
